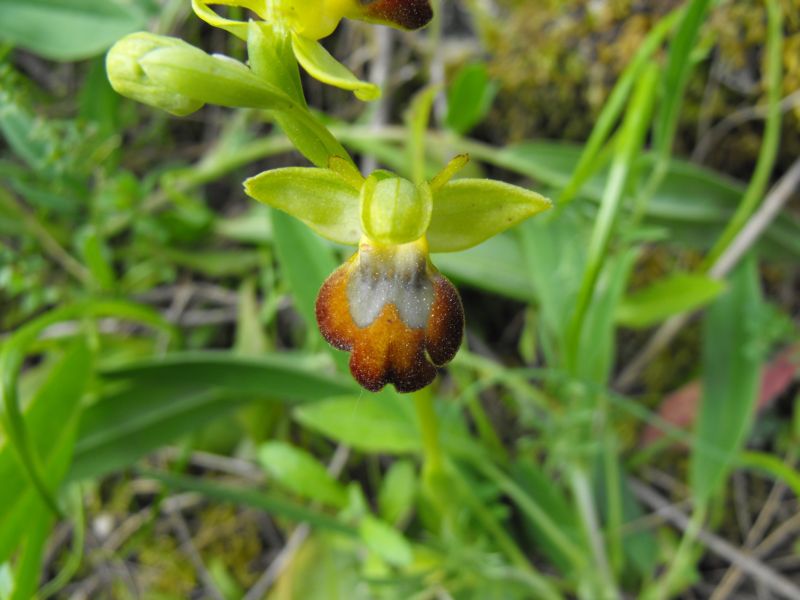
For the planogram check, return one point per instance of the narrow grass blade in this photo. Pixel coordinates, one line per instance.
(732, 359)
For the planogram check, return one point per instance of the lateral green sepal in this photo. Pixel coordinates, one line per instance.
(467, 212)
(320, 198)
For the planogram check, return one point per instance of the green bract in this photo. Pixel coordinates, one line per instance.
(343, 207)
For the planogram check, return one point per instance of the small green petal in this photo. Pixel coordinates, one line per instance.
(322, 66)
(467, 212)
(320, 198)
(237, 28)
(450, 170)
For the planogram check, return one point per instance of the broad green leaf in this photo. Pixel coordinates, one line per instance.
(496, 265)
(680, 292)
(385, 541)
(305, 259)
(373, 423)
(469, 98)
(397, 491)
(301, 473)
(468, 211)
(320, 198)
(732, 358)
(155, 402)
(51, 420)
(322, 66)
(67, 30)
(553, 263)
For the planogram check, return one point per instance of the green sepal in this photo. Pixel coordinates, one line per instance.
(322, 66)
(237, 28)
(213, 79)
(467, 212)
(394, 210)
(320, 198)
(129, 79)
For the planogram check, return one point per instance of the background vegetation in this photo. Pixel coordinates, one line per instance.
(620, 423)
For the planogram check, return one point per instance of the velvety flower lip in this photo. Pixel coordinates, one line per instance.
(408, 14)
(396, 314)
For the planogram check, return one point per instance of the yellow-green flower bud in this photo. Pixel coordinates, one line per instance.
(394, 210)
(128, 77)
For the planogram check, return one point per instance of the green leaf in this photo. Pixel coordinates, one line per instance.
(676, 75)
(496, 265)
(67, 30)
(322, 66)
(469, 98)
(597, 337)
(155, 402)
(397, 491)
(678, 293)
(468, 211)
(732, 359)
(553, 264)
(301, 473)
(374, 423)
(270, 503)
(320, 198)
(50, 419)
(29, 561)
(306, 261)
(385, 541)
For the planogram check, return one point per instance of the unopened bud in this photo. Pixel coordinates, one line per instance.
(129, 79)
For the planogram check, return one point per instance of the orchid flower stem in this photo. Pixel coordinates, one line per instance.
(429, 428)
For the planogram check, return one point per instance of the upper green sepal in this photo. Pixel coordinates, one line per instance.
(394, 211)
(321, 198)
(467, 212)
(127, 77)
